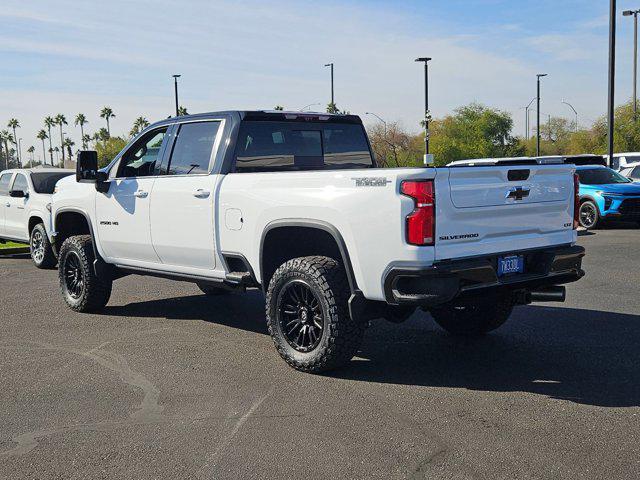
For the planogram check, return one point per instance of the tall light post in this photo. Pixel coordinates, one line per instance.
(426, 61)
(612, 74)
(628, 13)
(175, 88)
(526, 122)
(574, 111)
(332, 98)
(539, 76)
(379, 118)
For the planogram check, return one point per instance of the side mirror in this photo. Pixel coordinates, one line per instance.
(87, 166)
(18, 194)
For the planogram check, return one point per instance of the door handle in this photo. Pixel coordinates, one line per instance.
(200, 193)
(7, 204)
(141, 194)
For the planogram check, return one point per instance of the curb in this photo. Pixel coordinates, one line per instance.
(13, 251)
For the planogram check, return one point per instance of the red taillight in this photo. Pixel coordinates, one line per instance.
(576, 201)
(421, 223)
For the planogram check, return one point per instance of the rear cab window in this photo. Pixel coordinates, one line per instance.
(46, 182)
(267, 146)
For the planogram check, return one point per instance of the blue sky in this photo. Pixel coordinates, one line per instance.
(69, 57)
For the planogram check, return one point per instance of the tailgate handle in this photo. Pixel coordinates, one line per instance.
(518, 175)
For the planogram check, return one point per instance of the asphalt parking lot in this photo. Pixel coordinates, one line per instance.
(168, 383)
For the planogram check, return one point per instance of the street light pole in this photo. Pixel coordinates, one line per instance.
(539, 76)
(175, 87)
(379, 118)
(628, 13)
(612, 75)
(574, 111)
(426, 61)
(526, 122)
(332, 98)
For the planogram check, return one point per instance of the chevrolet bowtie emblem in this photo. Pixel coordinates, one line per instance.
(518, 193)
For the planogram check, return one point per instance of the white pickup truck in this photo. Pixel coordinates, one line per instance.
(25, 202)
(293, 204)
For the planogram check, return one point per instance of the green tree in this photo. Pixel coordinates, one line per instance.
(60, 121)
(81, 120)
(42, 135)
(473, 131)
(278, 108)
(13, 124)
(86, 138)
(68, 143)
(182, 111)
(108, 148)
(48, 123)
(107, 114)
(333, 108)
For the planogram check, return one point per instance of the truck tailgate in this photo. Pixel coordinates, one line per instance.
(493, 209)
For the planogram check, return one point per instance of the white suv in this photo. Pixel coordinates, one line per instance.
(25, 209)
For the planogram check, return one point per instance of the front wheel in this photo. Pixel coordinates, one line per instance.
(82, 289)
(40, 248)
(589, 216)
(307, 314)
(473, 317)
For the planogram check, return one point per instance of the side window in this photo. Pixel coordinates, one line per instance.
(192, 148)
(636, 173)
(142, 158)
(20, 183)
(5, 178)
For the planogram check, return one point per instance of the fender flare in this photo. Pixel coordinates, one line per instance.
(98, 262)
(319, 225)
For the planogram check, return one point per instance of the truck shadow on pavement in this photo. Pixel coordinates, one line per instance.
(584, 356)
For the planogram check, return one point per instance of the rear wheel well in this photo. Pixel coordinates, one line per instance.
(69, 224)
(281, 244)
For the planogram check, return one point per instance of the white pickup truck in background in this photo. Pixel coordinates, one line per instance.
(25, 203)
(293, 204)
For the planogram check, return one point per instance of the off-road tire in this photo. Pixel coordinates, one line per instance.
(593, 208)
(96, 290)
(212, 291)
(40, 248)
(341, 336)
(473, 317)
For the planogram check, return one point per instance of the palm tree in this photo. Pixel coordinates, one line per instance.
(107, 113)
(3, 146)
(30, 150)
(61, 120)
(81, 120)
(182, 111)
(50, 122)
(86, 138)
(57, 150)
(101, 135)
(14, 123)
(68, 143)
(42, 135)
(139, 124)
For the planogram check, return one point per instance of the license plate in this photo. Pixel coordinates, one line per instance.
(512, 264)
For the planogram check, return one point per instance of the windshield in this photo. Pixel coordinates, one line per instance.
(45, 182)
(600, 176)
(272, 146)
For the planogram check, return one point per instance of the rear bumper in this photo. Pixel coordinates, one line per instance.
(447, 280)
